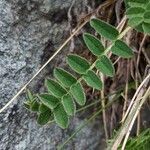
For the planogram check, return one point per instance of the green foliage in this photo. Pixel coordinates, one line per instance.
(30, 96)
(65, 78)
(69, 104)
(35, 106)
(148, 7)
(137, 3)
(104, 29)
(78, 93)
(136, 21)
(44, 117)
(60, 116)
(55, 88)
(31, 104)
(94, 45)
(105, 65)
(49, 100)
(135, 12)
(27, 105)
(138, 13)
(65, 91)
(122, 49)
(93, 80)
(43, 108)
(78, 64)
(146, 27)
(147, 16)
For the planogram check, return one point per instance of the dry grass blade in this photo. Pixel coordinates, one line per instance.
(134, 97)
(137, 108)
(131, 114)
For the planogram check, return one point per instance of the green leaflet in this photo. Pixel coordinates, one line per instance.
(31, 103)
(137, 3)
(49, 100)
(69, 104)
(93, 44)
(27, 105)
(78, 64)
(61, 117)
(35, 106)
(121, 49)
(139, 28)
(105, 65)
(43, 108)
(148, 6)
(65, 78)
(135, 12)
(135, 21)
(146, 28)
(93, 80)
(44, 117)
(147, 17)
(55, 88)
(78, 93)
(29, 95)
(103, 28)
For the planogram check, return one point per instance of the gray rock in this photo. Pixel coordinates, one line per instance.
(30, 31)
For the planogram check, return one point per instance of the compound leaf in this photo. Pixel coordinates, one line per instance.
(69, 104)
(105, 29)
(93, 44)
(78, 64)
(92, 80)
(60, 116)
(44, 117)
(49, 100)
(122, 49)
(55, 88)
(105, 65)
(78, 93)
(65, 78)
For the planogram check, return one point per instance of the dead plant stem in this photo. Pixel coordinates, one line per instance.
(147, 93)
